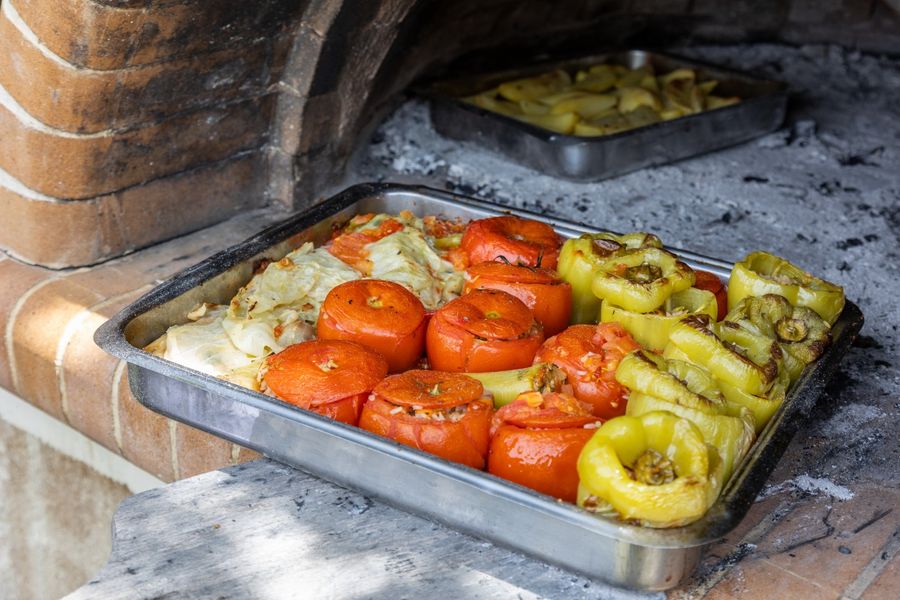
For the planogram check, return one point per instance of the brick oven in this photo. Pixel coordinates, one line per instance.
(138, 136)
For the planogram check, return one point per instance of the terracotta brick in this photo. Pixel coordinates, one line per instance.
(70, 166)
(89, 231)
(762, 579)
(145, 435)
(36, 331)
(200, 452)
(88, 374)
(15, 280)
(842, 552)
(113, 35)
(72, 99)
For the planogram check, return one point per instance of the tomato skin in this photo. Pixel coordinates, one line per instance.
(518, 240)
(711, 283)
(462, 337)
(464, 441)
(541, 459)
(589, 354)
(395, 328)
(542, 290)
(330, 377)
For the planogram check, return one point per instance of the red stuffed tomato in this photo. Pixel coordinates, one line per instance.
(485, 330)
(542, 290)
(590, 354)
(330, 377)
(518, 240)
(445, 414)
(536, 440)
(711, 283)
(381, 315)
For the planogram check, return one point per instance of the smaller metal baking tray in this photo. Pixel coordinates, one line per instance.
(472, 501)
(761, 110)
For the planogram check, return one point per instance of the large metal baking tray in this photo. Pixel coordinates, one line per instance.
(760, 111)
(458, 496)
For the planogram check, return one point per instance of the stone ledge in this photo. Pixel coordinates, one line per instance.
(48, 357)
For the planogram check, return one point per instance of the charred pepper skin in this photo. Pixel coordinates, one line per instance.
(641, 280)
(654, 469)
(801, 333)
(579, 259)
(689, 392)
(651, 330)
(762, 273)
(730, 352)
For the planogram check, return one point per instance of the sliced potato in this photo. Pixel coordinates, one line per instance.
(532, 88)
(678, 74)
(530, 107)
(552, 99)
(606, 125)
(587, 106)
(650, 83)
(631, 98)
(564, 123)
(634, 77)
(641, 116)
(596, 82)
(707, 86)
(490, 102)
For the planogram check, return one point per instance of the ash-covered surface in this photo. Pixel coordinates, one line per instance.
(823, 191)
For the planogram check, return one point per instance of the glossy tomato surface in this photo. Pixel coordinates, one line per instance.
(319, 373)
(536, 440)
(516, 240)
(711, 283)
(441, 413)
(485, 330)
(542, 290)
(589, 354)
(381, 315)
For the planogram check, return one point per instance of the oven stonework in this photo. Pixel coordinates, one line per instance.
(116, 114)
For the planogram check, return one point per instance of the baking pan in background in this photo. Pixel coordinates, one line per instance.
(761, 110)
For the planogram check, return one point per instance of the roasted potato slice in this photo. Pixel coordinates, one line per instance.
(532, 88)
(530, 107)
(489, 101)
(587, 105)
(634, 77)
(631, 98)
(718, 101)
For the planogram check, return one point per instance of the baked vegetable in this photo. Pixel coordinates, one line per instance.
(485, 330)
(380, 315)
(762, 273)
(330, 377)
(506, 386)
(518, 240)
(589, 355)
(732, 353)
(542, 290)
(690, 392)
(445, 414)
(641, 280)
(704, 280)
(801, 333)
(536, 440)
(651, 329)
(579, 259)
(654, 469)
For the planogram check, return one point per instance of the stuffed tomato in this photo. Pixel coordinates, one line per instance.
(330, 377)
(542, 290)
(536, 440)
(445, 414)
(485, 330)
(381, 315)
(589, 355)
(518, 240)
